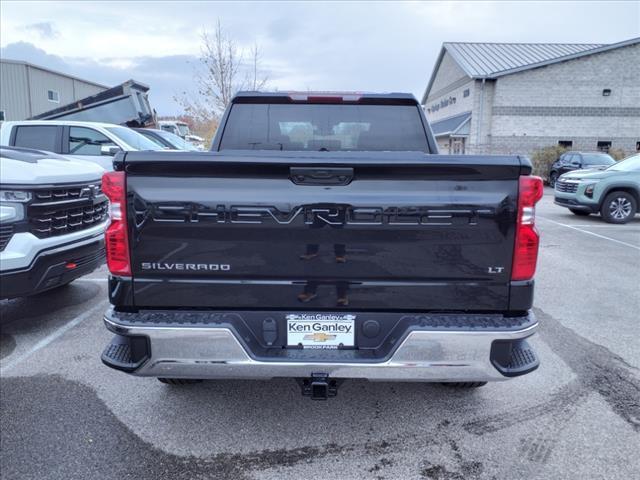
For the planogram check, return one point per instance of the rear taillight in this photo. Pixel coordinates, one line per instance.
(525, 254)
(116, 238)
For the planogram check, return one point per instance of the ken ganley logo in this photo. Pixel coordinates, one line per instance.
(319, 327)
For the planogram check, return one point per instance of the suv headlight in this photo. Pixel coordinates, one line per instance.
(14, 196)
(11, 205)
(588, 191)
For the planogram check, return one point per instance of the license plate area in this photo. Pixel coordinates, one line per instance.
(321, 330)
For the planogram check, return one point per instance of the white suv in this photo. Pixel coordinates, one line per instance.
(92, 141)
(52, 220)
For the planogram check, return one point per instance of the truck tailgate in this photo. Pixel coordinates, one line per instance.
(322, 231)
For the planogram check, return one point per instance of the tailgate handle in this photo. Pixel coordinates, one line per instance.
(321, 176)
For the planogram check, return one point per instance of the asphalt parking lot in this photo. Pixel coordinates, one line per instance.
(64, 415)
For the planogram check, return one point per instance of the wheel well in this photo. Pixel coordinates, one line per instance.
(630, 190)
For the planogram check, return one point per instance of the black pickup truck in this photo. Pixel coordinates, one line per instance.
(322, 238)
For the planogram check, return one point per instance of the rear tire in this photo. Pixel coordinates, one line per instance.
(179, 381)
(618, 207)
(553, 178)
(580, 213)
(464, 384)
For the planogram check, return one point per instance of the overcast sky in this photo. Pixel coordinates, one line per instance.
(315, 45)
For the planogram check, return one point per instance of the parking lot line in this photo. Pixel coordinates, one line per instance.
(592, 225)
(591, 233)
(52, 336)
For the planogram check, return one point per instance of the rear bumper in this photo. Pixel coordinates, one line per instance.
(426, 353)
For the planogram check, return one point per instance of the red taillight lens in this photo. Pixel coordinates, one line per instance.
(525, 254)
(116, 239)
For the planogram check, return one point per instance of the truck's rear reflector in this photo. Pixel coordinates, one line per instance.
(116, 239)
(525, 254)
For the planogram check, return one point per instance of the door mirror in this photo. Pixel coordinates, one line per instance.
(109, 150)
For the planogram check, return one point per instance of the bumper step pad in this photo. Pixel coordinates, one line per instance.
(514, 358)
(126, 353)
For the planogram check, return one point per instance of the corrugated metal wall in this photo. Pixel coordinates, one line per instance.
(14, 94)
(24, 90)
(84, 89)
(40, 81)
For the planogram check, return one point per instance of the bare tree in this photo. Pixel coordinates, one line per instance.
(222, 73)
(256, 80)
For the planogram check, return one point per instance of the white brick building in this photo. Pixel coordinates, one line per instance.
(515, 98)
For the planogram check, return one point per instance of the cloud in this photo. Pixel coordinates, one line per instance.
(45, 30)
(28, 52)
(375, 46)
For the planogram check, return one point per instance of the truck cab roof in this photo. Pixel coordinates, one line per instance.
(70, 123)
(325, 97)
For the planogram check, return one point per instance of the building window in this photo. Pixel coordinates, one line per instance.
(604, 146)
(53, 96)
(565, 143)
(465, 93)
(606, 92)
(457, 146)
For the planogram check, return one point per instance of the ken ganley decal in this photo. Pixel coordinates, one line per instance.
(320, 330)
(320, 317)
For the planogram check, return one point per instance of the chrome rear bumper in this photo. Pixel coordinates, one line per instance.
(426, 356)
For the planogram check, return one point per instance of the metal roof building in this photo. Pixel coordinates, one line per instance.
(28, 89)
(516, 97)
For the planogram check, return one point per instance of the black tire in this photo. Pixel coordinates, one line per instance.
(553, 177)
(580, 213)
(618, 207)
(464, 384)
(179, 381)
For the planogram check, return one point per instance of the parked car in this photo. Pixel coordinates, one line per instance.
(614, 192)
(174, 126)
(166, 139)
(52, 220)
(197, 142)
(322, 238)
(92, 141)
(569, 161)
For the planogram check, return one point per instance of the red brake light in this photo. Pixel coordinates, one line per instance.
(525, 254)
(325, 97)
(116, 238)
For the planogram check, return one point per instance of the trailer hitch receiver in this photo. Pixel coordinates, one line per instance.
(319, 386)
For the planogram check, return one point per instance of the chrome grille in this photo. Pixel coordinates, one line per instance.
(565, 186)
(61, 210)
(58, 221)
(69, 193)
(6, 232)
